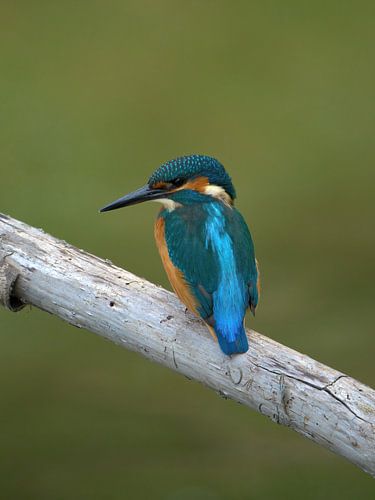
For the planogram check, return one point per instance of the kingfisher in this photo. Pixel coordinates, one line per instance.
(204, 244)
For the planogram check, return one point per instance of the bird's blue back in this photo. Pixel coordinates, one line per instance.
(209, 242)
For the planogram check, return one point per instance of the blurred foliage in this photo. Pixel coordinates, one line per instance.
(93, 97)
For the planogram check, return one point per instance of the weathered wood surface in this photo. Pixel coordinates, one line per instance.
(292, 389)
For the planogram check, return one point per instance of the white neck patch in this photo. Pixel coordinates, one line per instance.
(168, 204)
(218, 192)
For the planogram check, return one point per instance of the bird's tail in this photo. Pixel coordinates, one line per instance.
(237, 346)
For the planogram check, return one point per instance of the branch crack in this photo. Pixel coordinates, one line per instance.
(318, 387)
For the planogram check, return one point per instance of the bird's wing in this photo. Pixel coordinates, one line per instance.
(245, 255)
(200, 262)
(186, 243)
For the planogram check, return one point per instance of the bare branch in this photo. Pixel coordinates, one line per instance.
(292, 389)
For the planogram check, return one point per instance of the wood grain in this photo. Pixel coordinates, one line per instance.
(331, 408)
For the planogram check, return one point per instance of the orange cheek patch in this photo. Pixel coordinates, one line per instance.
(159, 185)
(199, 184)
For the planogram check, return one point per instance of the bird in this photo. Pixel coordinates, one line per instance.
(204, 244)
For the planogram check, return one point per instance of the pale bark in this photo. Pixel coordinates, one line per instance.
(292, 389)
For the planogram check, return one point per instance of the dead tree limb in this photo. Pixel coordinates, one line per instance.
(292, 389)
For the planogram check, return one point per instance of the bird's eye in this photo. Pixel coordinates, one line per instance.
(178, 181)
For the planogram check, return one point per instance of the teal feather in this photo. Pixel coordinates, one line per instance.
(209, 242)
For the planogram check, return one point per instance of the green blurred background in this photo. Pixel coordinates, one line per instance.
(93, 97)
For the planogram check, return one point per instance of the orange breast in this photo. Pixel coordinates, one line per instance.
(175, 276)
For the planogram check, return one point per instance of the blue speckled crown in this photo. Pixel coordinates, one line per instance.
(192, 166)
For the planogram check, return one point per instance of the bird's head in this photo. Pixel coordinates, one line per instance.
(172, 182)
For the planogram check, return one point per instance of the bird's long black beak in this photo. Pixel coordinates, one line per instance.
(144, 193)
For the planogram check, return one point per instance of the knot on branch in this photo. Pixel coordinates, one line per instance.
(8, 278)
